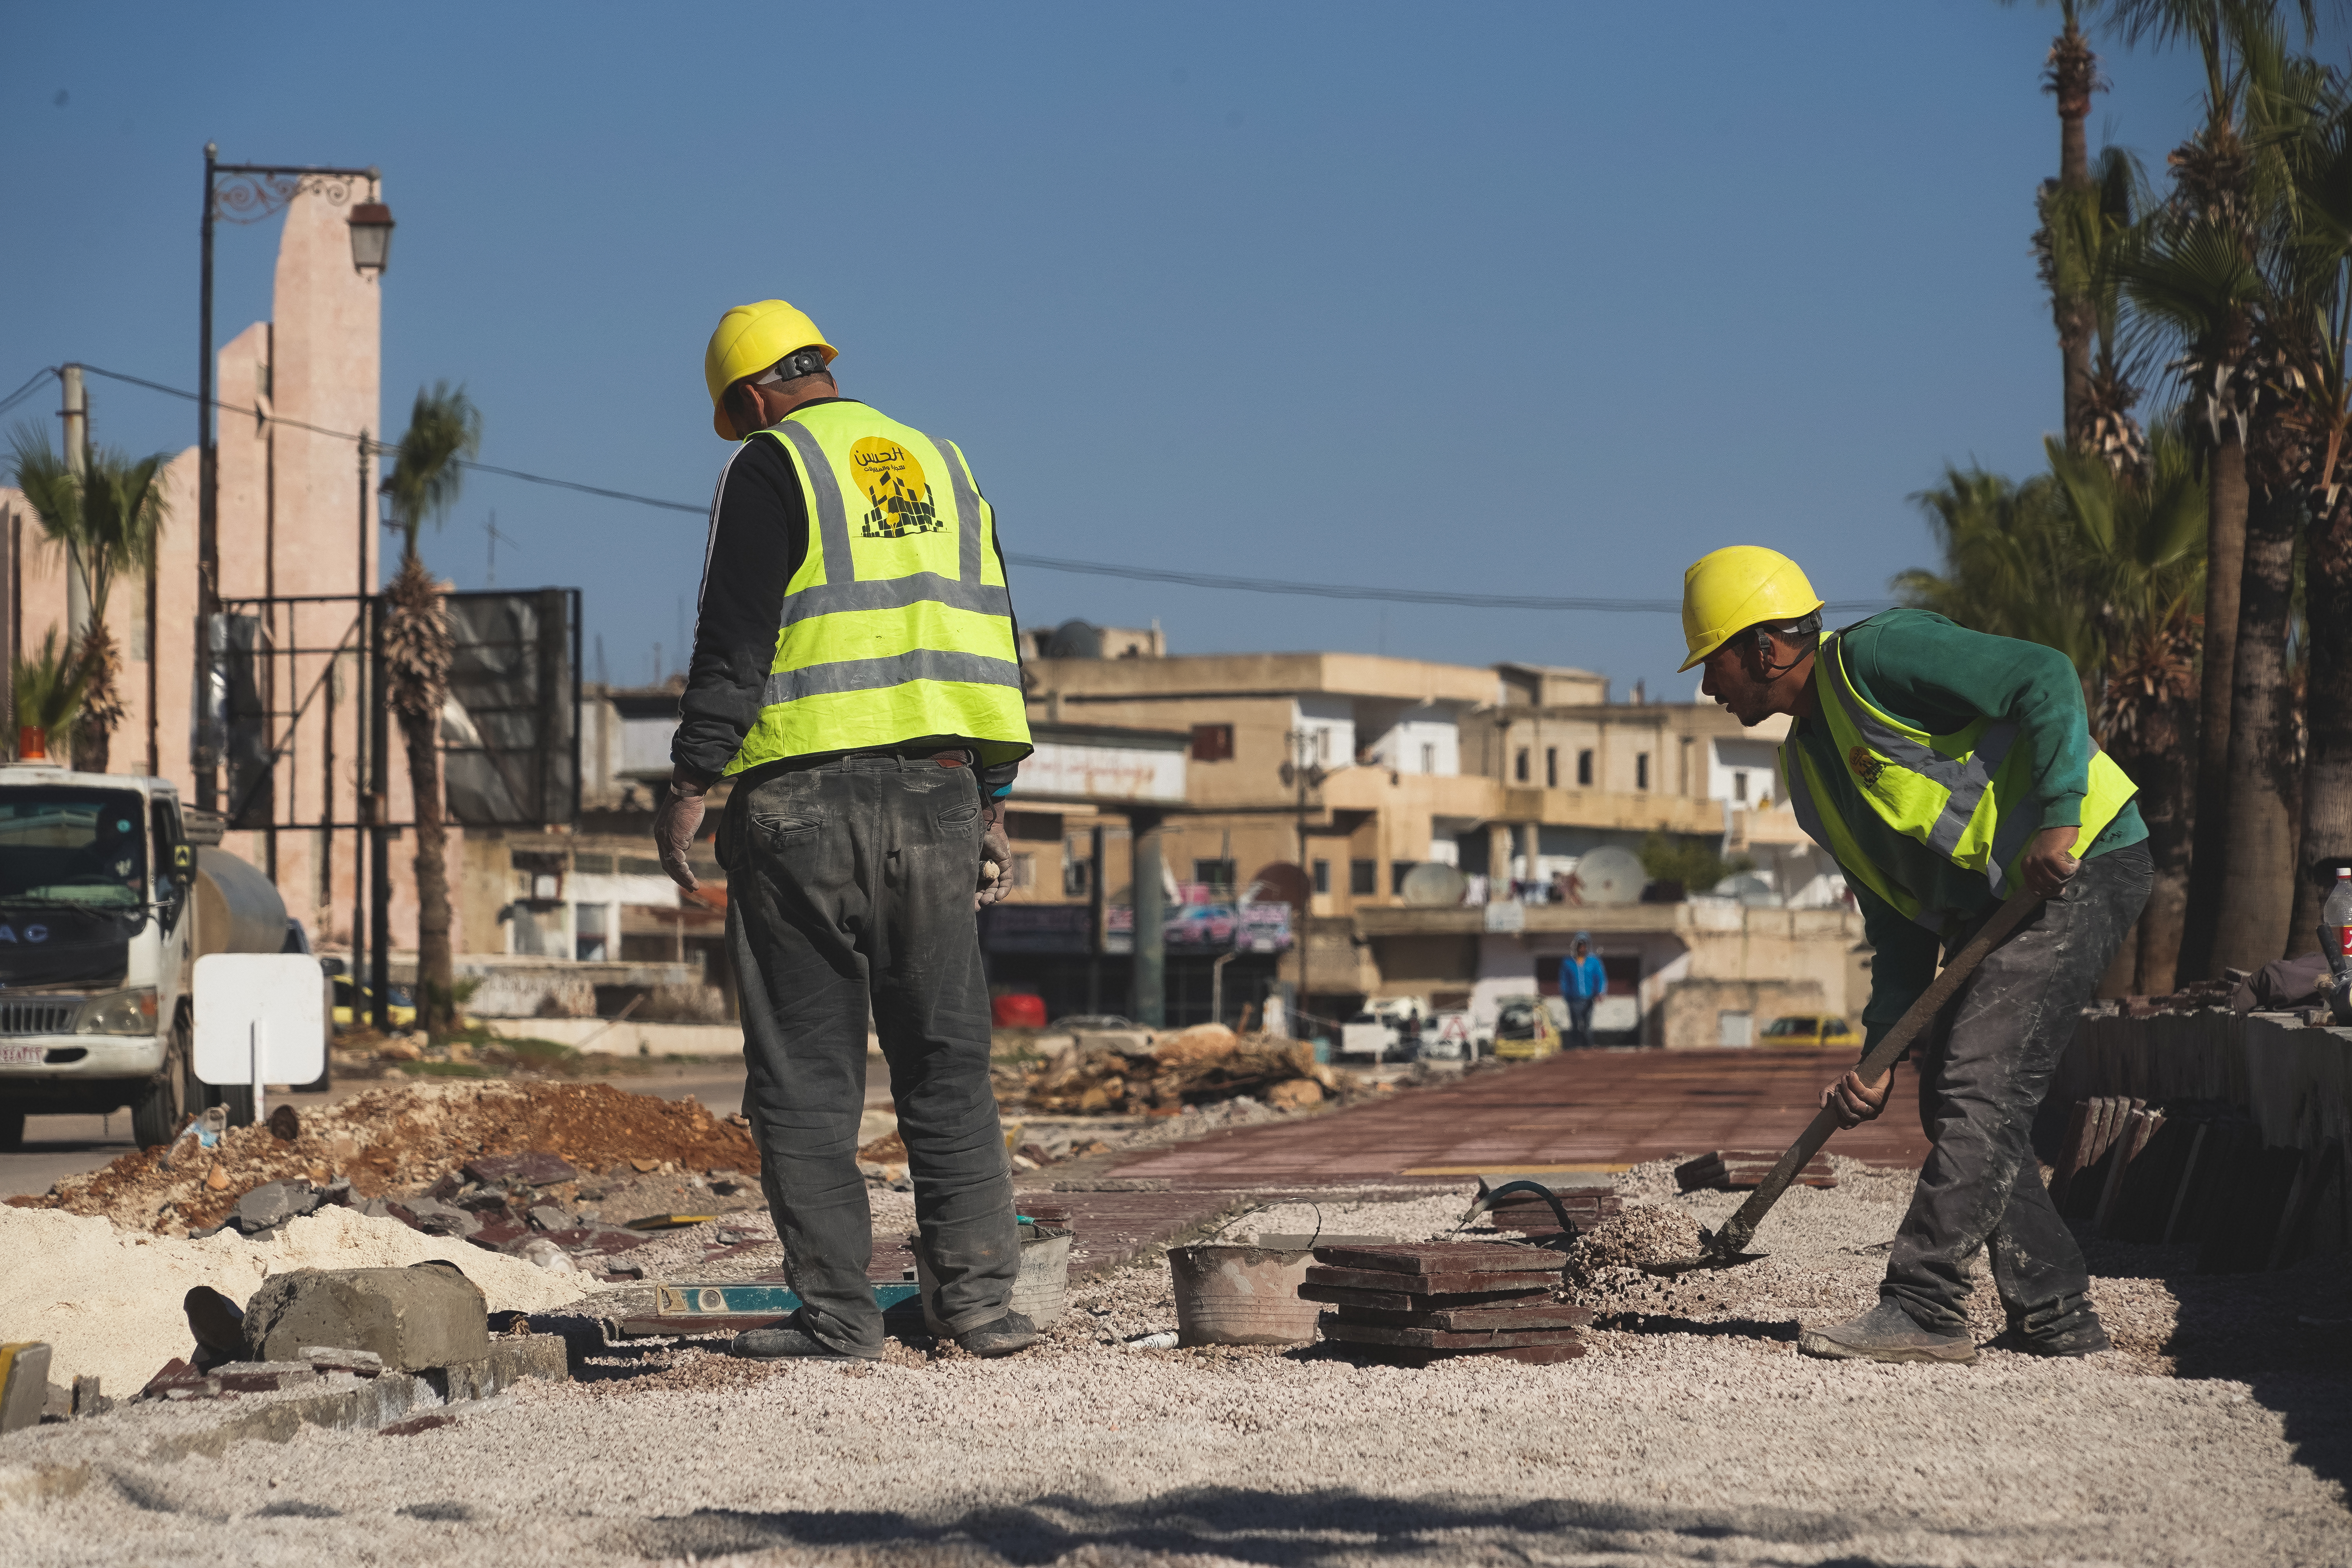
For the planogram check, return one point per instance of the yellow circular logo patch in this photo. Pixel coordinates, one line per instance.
(893, 482)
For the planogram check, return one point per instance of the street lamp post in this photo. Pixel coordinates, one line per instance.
(247, 193)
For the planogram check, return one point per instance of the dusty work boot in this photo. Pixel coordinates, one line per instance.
(1885, 1332)
(791, 1342)
(2067, 1327)
(1005, 1336)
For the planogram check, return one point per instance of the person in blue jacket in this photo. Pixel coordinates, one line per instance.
(1581, 980)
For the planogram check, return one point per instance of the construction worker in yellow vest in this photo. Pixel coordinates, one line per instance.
(1941, 767)
(856, 677)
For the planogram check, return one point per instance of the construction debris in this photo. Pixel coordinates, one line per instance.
(1131, 1072)
(1743, 1170)
(1415, 1304)
(413, 1139)
(411, 1319)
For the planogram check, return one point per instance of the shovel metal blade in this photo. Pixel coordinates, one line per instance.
(1674, 1266)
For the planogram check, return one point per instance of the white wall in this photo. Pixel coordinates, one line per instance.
(1332, 721)
(1732, 758)
(1423, 740)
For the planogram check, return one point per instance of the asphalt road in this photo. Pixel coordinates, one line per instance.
(59, 1146)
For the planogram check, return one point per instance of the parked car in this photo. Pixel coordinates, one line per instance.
(1806, 1029)
(403, 1004)
(1523, 1030)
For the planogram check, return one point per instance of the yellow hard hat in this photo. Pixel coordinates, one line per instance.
(750, 338)
(1729, 589)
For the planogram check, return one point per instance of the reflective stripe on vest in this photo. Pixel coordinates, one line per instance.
(1967, 795)
(897, 625)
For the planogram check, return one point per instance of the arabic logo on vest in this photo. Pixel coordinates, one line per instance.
(31, 934)
(893, 480)
(1866, 767)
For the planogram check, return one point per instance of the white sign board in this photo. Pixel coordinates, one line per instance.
(1102, 772)
(261, 1017)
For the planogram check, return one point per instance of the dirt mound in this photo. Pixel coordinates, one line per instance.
(1650, 1233)
(400, 1140)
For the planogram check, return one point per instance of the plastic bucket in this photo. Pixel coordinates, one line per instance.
(1041, 1292)
(1229, 1295)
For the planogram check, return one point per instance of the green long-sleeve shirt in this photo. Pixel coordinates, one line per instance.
(1934, 675)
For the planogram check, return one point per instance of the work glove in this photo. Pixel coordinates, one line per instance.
(675, 822)
(995, 860)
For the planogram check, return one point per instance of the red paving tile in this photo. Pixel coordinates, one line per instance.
(1602, 1108)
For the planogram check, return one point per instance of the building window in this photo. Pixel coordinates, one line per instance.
(1398, 871)
(1739, 787)
(1642, 770)
(1075, 871)
(1519, 770)
(1322, 745)
(1364, 878)
(1213, 743)
(1043, 827)
(1218, 874)
(1024, 870)
(1551, 767)
(588, 933)
(1428, 757)
(1584, 768)
(1322, 876)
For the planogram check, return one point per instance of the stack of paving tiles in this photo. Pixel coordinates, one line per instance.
(1729, 1169)
(1585, 1198)
(2198, 1173)
(1415, 1304)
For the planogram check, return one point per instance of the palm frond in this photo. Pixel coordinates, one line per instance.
(49, 686)
(444, 429)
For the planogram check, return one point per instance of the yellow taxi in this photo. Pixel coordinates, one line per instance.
(1523, 1029)
(1806, 1029)
(404, 1004)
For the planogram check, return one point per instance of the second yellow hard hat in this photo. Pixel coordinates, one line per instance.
(1729, 589)
(751, 338)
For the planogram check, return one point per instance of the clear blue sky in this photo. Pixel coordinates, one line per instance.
(1516, 299)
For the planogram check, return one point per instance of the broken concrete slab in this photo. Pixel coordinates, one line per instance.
(435, 1217)
(330, 1359)
(427, 1316)
(272, 1203)
(24, 1384)
(532, 1170)
(264, 1376)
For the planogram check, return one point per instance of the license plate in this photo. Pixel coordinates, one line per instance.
(9, 1054)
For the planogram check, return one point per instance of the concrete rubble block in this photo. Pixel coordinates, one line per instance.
(532, 1170)
(328, 1358)
(264, 1376)
(178, 1380)
(24, 1384)
(501, 1235)
(434, 1218)
(272, 1203)
(554, 1217)
(430, 1315)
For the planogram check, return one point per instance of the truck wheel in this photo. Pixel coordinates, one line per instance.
(12, 1131)
(163, 1100)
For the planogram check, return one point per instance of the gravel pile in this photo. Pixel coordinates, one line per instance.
(398, 1139)
(1643, 1234)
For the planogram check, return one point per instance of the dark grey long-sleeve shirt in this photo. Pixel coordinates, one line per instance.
(758, 537)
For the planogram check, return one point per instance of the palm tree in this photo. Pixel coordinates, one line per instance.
(2011, 564)
(444, 429)
(108, 520)
(49, 690)
(2067, 243)
(2196, 280)
(2140, 535)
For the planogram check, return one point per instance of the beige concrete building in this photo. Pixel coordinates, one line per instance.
(1342, 774)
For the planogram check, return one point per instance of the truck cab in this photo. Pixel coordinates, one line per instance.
(97, 879)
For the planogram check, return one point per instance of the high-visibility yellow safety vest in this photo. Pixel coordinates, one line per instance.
(1967, 796)
(897, 626)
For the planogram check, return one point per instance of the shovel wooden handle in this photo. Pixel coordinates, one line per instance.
(1740, 1228)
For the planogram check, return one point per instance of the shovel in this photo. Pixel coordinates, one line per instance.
(1723, 1249)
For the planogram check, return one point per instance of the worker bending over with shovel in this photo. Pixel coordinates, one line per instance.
(856, 674)
(1939, 766)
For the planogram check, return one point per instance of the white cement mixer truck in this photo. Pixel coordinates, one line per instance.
(105, 902)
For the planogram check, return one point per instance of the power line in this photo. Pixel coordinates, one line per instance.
(1050, 562)
(21, 393)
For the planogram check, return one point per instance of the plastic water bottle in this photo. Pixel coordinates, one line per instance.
(2335, 921)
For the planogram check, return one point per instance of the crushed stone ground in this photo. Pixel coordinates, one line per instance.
(1692, 1433)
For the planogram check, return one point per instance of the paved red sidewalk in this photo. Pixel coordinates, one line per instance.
(1605, 1109)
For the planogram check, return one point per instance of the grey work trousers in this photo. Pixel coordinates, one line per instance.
(850, 886)
(1986, 1069)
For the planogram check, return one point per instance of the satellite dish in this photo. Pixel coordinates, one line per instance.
(1432, 885)
(1753, 890)
(1278, 883)
(1074, 639)
(1610, 876)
